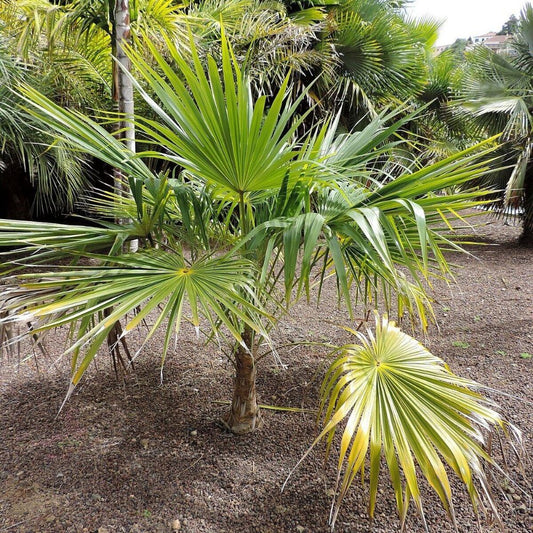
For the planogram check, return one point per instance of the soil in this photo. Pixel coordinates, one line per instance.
(149, 456)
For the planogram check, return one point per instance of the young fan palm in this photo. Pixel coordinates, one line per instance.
(240, 232)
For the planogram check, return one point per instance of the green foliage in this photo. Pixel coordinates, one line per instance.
(251, 198)
(65, 50)
(56, 175)
(358, 54)
(497, 91)
(510, 27)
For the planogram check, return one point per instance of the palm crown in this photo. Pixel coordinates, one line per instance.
(247, 190)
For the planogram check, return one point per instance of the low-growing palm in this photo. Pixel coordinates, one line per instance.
(241, 231)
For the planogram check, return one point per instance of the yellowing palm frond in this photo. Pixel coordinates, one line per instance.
(395, 399)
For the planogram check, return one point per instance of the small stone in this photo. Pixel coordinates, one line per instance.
(176, 525)
(517, 497)
(103, 530)
(300, 529)
(280, 509)
(50, 518)
(522, 508)
(145, 443)
(194, 433)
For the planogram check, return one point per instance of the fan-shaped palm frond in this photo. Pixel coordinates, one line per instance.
(218, 289)
(390, 397)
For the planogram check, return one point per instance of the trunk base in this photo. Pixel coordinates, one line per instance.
(244, 416)
(242, 425)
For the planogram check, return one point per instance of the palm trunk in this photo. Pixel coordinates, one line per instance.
(244, 415)
(122, 84)
(123, 95)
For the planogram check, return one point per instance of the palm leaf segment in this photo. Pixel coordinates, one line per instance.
(395, 399)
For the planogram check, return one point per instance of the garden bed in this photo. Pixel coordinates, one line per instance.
(143, 455)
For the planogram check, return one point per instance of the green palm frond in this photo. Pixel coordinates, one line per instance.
(497, 91)
(57, 176)
(382, 52)
(34, 243)
(391, 398)
(92, 298)
(216, 131)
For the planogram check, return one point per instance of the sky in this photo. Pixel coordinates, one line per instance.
(466, 18)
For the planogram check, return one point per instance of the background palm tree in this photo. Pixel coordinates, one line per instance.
(343, 55)
(497, 91)
(358, 55)
(39, 177)
(68, 48)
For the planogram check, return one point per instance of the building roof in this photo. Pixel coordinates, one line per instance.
(485, 35)
(497, 39)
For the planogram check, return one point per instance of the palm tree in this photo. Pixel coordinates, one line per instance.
(497, 91)
(26, 159)
(239, 234)
(359, 54)
(71, 45)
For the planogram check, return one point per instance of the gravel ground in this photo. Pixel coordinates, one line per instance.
(142, 456)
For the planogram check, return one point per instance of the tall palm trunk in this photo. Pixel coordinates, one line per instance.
(123, 92)
(122, 84)
(244, 415)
